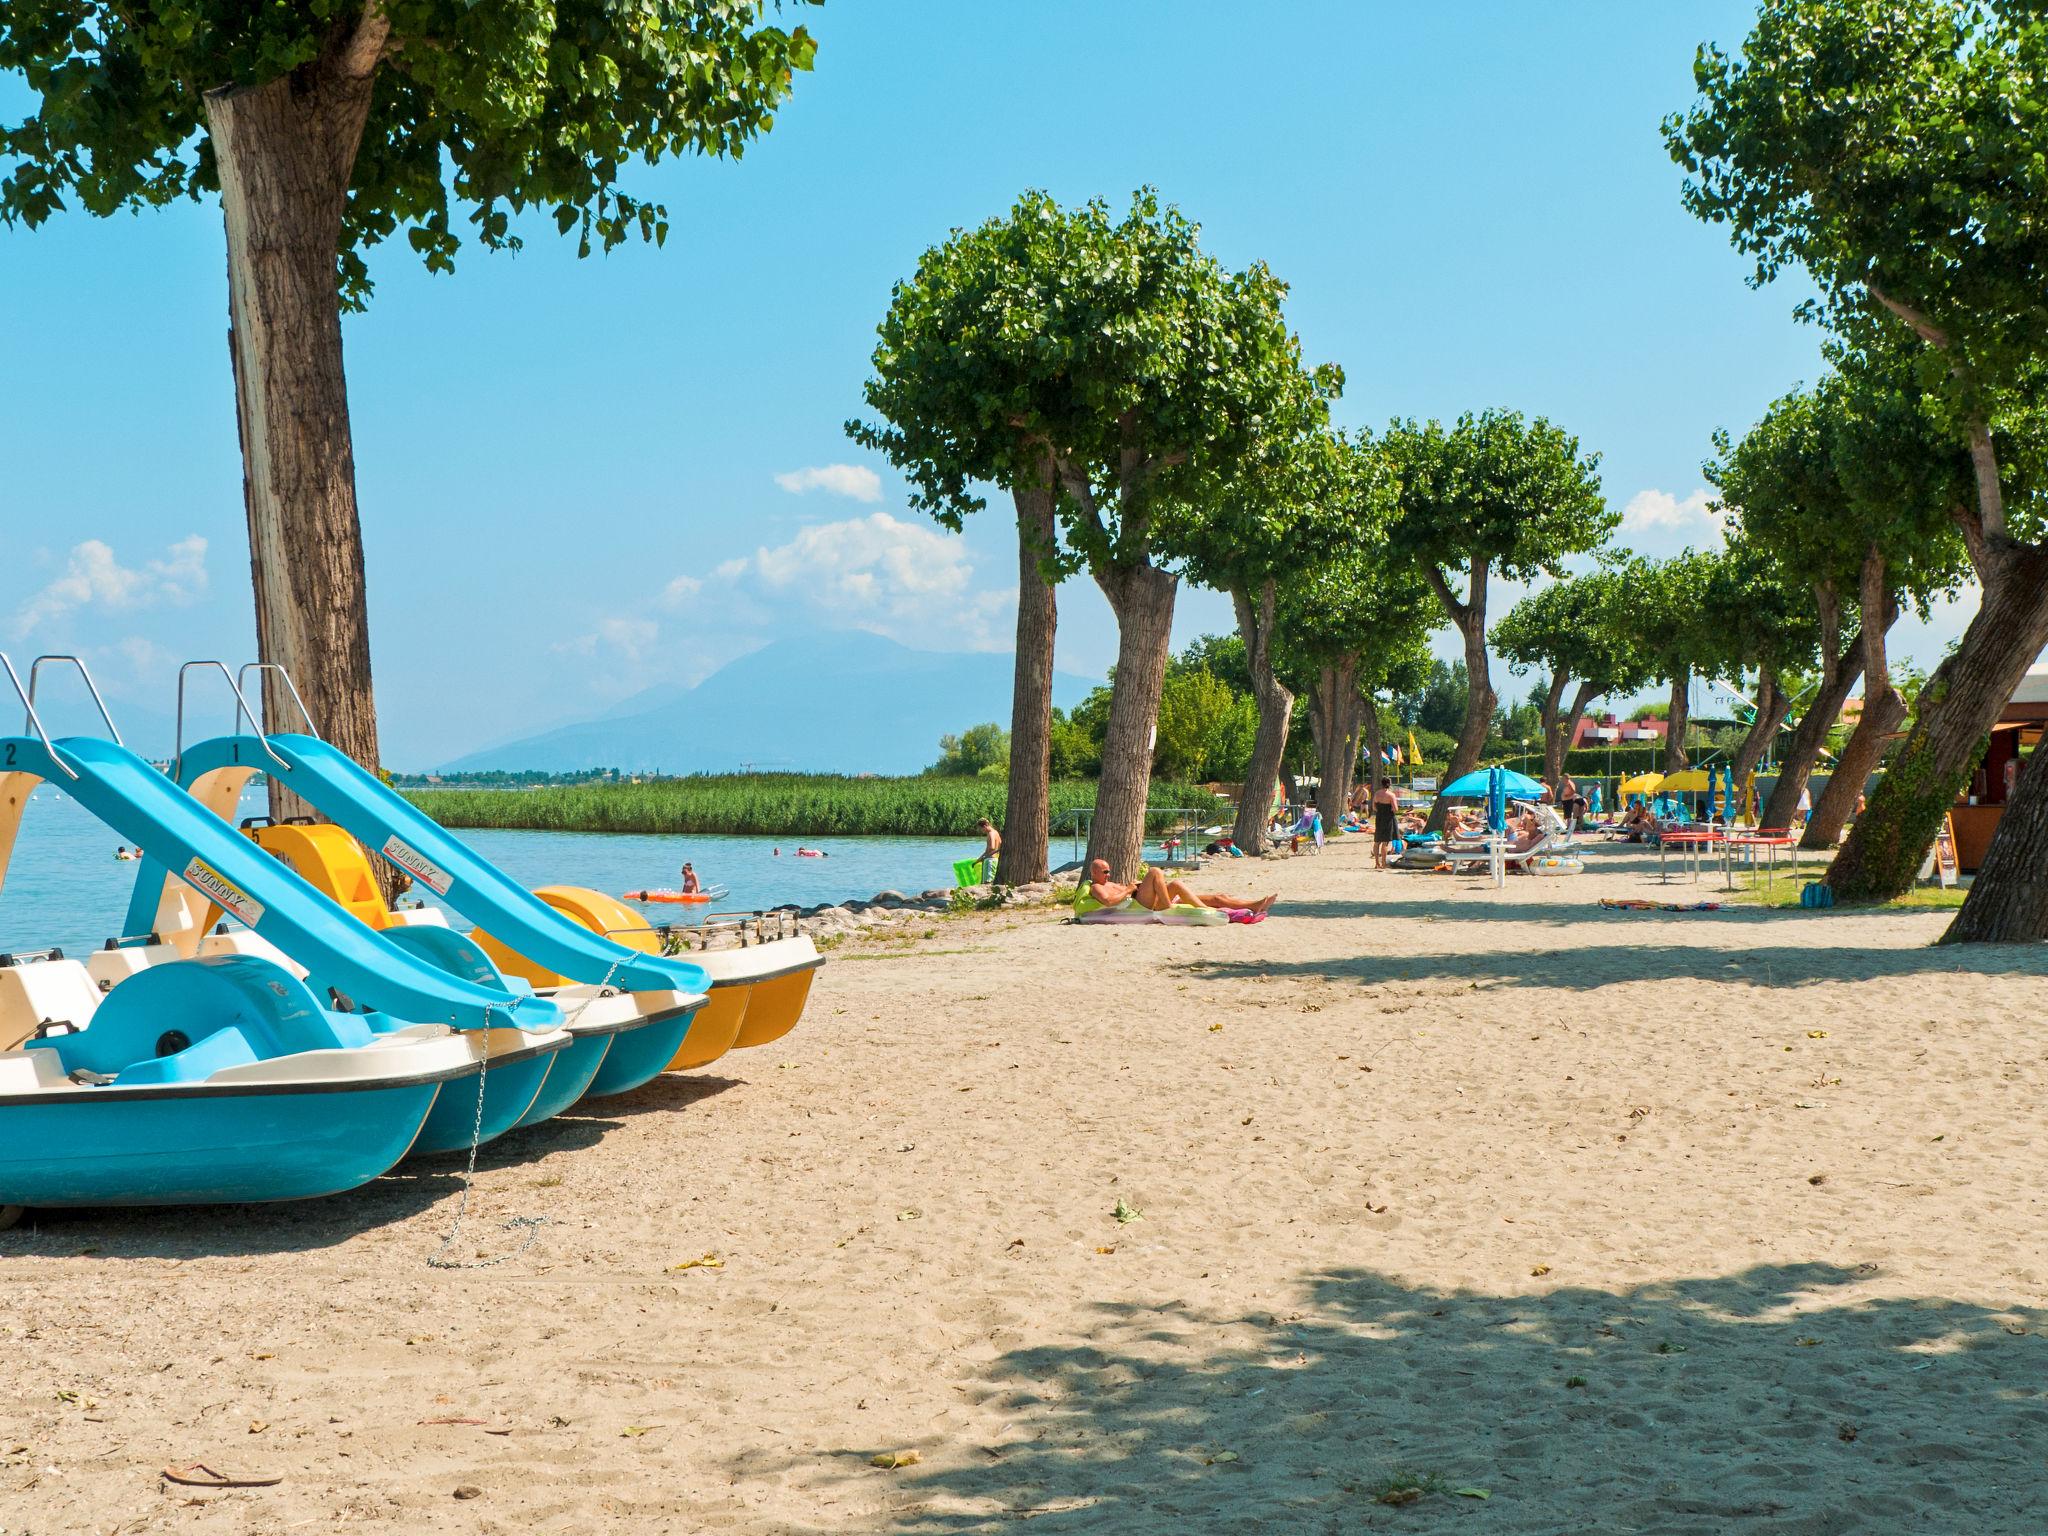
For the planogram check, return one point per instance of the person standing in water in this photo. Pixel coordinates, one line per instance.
(691, 884)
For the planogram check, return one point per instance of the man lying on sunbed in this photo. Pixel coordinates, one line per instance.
(1156, 893)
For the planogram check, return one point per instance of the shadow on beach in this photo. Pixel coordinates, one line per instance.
(1587, 967)
(1766, 1401)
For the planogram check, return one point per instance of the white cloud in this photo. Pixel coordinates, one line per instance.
(855, 480)
(628, 637)
(93, 576)
(1654, 511)
(903, 579)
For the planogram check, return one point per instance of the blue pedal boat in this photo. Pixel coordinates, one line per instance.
(214, 1080)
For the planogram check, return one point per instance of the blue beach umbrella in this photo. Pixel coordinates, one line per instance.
(1479, 783)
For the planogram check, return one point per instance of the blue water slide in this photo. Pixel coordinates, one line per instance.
(185, 838)
(390, 826)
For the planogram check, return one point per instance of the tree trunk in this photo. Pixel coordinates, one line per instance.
(1678, 718)
(1567, 728)
(2008, 901)
(1480, 699)
(1334, 720)
(1840, 667)
(1141, 596)
(1276, 713)
(1883, 710)
(1772, 706)
(1375, 744)
(1553, 746)
(1861, 754)
(1954, 712)
(285, 152)
(1027, 819)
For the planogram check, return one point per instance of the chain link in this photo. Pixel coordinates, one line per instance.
(533, 1224)
(436, 1259)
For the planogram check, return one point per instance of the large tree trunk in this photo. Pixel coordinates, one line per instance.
(1375, 744)
(1840, 667)
(1557, 741)
(1027, 820)
(1553, 706)
(1480, 700)
(2008, 901)
(1954, 712)
(1276, 713)
(1141, 596)
(1883, 710)
(286, 151)
(1677, 718)
(1335, 710)
(1773, 704)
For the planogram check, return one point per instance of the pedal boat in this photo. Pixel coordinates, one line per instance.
(222, 1079)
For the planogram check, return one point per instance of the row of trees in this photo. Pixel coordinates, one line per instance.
(1891, 150)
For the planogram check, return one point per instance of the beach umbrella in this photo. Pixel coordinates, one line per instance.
(1641, 784)
(1479, 783)
(1692, 779)
(1496, 799)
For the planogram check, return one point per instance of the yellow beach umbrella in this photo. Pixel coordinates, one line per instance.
(1692, 779)
(1641, 784)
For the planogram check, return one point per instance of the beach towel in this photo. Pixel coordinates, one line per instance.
(1631, 904)
(1186, 917)
(1088, 910)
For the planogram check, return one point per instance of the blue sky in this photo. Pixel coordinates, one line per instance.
(580, 478)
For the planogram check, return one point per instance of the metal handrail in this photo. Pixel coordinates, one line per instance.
(242, 712)
(91, 687)
(35, 719)
(291, 687)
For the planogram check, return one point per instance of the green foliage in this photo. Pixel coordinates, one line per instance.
(768, 804)
(1076, 746)
(1674, 629)
(485, 111)
(1436, 704)
(1581, 626)
(980, 749)
(1890, 148)
(1357, 598)
(1223, 655)
(1205, 727)
(1110, 358)
(1512, 494)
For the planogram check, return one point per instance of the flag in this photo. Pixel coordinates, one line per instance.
(1414, 752)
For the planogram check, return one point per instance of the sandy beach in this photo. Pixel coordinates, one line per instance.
(1701, 1223)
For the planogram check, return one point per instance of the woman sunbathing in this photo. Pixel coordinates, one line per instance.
(1156, 893)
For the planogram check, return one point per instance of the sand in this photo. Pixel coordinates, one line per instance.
(1710, 1223)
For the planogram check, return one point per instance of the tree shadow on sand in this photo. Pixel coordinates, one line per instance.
(1586, 967)
(1766, 1401)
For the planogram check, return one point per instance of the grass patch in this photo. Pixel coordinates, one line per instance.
(769, 805)
(1785, 894)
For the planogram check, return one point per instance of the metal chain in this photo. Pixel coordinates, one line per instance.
(435, 1260)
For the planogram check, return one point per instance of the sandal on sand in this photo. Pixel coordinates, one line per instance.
(197, 1474)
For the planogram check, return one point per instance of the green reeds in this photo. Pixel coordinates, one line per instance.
(771, 805)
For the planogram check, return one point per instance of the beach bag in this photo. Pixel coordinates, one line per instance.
(1816, 894)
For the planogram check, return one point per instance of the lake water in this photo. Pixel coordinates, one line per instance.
(64, 886)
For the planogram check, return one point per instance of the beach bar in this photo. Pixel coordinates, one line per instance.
(1983, 800)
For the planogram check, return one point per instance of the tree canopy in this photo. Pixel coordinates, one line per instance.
(1116, 345)
(492, 109)
(1495, 488)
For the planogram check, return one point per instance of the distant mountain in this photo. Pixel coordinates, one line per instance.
(841, 701)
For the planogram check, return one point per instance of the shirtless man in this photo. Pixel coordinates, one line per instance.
(1156, 893)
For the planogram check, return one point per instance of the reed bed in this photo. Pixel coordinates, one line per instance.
(770, 804)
